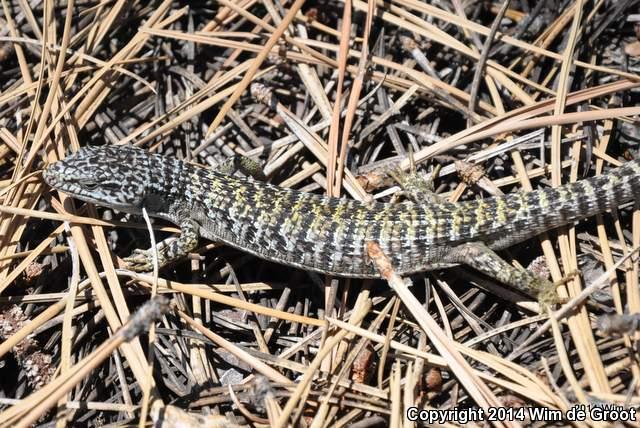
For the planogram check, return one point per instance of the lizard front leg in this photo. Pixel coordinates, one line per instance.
(482, 258)
(142, 260)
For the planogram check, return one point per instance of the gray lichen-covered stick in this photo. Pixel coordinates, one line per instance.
(328, 235)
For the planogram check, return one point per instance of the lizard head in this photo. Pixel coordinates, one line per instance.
(112, 176)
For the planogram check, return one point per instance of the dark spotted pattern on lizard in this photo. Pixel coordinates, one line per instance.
(328, 235)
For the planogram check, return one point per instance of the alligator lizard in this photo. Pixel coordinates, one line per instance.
(328, 235)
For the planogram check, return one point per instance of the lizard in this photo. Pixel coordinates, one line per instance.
(325, 234)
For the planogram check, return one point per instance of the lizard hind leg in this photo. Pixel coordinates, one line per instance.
(483, 259)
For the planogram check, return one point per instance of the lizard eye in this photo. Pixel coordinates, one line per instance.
(89, 184)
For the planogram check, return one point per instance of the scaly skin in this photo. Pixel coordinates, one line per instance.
(328, 235)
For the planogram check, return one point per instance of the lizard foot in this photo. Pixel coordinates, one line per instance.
(546, 291)
(169, 250)
(142, 260)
